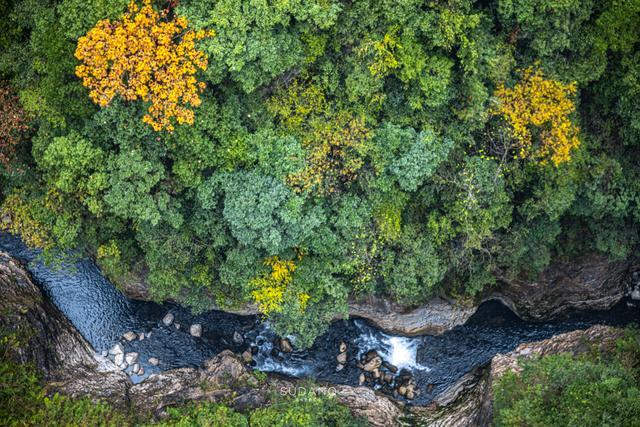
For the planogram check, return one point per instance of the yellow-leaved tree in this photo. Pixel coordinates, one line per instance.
(270, 289)
(537, 111)
(144, 56)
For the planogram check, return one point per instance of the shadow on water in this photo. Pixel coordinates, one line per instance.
(102, 315)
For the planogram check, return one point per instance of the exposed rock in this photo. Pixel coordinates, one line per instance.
(342, 358)
(177, 326)
(285, 345)
(361, 379)
(339, 367)
(435, 317)
(135, 368)
(372, 364)
(379, 411)
(247, 357)
(154, 361)
(130, 336)
(238, 338)
(591, 282)
(131, 357)
(141, 370)
(119, 359)
(116, 349)
(343, 347)
(141, 336)
(196, 330)
(168, 319)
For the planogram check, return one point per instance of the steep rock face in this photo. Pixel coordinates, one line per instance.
(468, 402)
(50, 342)
(588, 283)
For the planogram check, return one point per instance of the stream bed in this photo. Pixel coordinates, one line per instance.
(102, 315)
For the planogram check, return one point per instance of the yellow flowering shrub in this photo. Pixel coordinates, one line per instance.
(269, 289)
(144, 57)
(542, 107)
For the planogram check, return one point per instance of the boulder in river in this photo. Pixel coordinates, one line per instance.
(343, 347)
(168, 319)
(130, 336)
(342, 358)
(247, 357)
(285, 345)
(390, 367)
(373, 364)
(196, 330)
(116, 349)
(238, 338)
(141, 336)
(339, 367)
(119, 359)
(131, 357)
(361, 379)
(135, 368)
(154, 361)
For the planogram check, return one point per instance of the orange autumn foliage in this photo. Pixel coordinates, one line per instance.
(143, 57)
(542, 107)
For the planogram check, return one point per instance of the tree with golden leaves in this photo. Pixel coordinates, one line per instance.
(538, 111)
(143, 56)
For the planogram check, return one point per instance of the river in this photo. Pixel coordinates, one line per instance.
(102, 315)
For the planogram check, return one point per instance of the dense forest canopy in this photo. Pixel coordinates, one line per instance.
(298, 153)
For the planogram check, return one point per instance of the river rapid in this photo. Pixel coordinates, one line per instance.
(102, 315)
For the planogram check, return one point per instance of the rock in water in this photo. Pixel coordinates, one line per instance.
(343, 347)
(141, 336)
(342, 358)
(167, 319)
(361, 379)
(116, 349)
(196, 330)
(238, 338)
(247, 357)
(131, 357)
(339, 367)
(135, 369)
(373, 364)
(177, 325)
(119, 359)
(285, 345)
(154, 361)
(130, 336)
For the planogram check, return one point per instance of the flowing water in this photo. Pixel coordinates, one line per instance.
(102, 315)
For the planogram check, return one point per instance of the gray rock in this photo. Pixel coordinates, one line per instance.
(154, 361)
(119, 359)
(141, 336)
(342, 358)
(238, 338)
(343, 347)
(168, 319)
(339, 367)
(116, 349)
(104, 353)
(196, 330)
(141, 370)
(135, 368)
(361, 379)
(247, 357)
(131, 357)
(177, 326)
(130, 336)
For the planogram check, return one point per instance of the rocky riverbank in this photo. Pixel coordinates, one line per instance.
(46, 339)
(591, 282)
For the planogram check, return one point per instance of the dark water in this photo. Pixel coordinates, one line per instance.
(102, 315)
